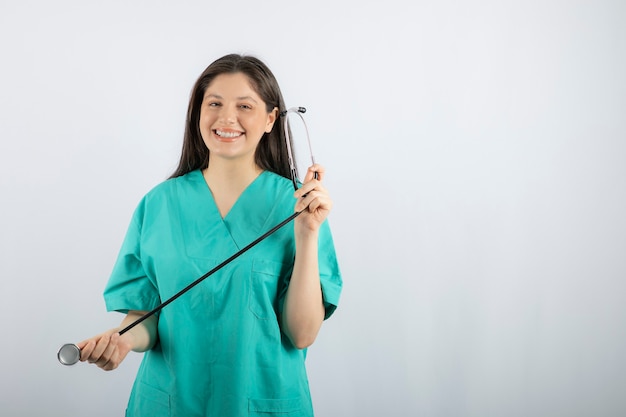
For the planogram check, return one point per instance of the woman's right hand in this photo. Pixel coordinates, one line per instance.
(107, 350)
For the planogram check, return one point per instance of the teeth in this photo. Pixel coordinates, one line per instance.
(227, 134)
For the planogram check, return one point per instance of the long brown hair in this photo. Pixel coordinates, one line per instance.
(271, 152)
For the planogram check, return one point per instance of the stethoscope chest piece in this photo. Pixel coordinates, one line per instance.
(69, 354)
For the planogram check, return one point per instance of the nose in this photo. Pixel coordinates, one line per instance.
(228, 114)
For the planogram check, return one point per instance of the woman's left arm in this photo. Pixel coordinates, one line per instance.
(303, 311)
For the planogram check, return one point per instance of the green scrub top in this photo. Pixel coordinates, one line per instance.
(220, 350)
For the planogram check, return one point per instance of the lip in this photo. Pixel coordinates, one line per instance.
(231, 134)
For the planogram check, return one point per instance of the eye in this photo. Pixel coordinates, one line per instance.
(245, 106)
(214, 104)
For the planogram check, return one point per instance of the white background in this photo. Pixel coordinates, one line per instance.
(476, 153)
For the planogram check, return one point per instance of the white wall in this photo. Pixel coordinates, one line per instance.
(475, 152)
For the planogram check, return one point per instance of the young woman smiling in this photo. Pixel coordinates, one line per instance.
(235, 345)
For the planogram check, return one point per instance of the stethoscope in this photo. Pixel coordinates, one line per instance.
(69, 353)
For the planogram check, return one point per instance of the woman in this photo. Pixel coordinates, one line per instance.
(234, 345)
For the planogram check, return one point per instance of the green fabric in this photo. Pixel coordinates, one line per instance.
(220, 350)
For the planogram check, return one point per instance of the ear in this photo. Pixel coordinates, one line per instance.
(271, 118)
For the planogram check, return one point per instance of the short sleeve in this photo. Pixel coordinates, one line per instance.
(330, 275)
(129, 287)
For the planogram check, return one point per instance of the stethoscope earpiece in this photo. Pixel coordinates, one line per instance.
(293, 109)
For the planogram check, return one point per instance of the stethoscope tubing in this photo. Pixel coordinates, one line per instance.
(211, 272)
(69, 353)
(292, 166)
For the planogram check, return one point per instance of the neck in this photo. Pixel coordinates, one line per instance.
(235, 175)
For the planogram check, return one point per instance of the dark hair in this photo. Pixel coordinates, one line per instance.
(271, 152)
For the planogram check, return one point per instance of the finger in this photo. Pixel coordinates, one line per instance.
(108, 360)
(101, 346)
(312, 171)
(111, 365)
(320, 203)
(313, 206)
(306, 188)
(86, 348)
(315, 201)
(82, 344)
(305, 197)
(109, 354)
(309, 191)
(309, 186)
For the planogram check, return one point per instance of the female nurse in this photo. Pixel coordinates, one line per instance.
(234, 345)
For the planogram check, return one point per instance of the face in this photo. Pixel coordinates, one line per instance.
(233, 117)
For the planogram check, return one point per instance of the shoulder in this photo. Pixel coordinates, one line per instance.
(170, 186)
(277, 183)
(169, 190)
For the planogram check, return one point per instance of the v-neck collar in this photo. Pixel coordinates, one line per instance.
(244, 222)
(247, 190)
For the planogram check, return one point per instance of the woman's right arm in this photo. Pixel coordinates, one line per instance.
(107, 350)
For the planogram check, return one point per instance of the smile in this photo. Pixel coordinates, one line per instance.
(227, 135)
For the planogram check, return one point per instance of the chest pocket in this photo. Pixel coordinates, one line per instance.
(267, 283)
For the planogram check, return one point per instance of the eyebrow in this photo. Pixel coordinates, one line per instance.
(238, 98)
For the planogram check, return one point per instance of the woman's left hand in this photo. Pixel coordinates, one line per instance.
(313, 198)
